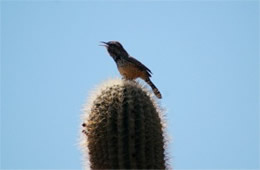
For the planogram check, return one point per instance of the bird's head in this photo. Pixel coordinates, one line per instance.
(115, 49)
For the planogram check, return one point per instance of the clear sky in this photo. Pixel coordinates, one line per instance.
(204, 56)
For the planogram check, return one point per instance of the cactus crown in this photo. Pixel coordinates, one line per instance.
(123, 128)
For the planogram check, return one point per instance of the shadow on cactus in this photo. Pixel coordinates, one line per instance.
(123, 129)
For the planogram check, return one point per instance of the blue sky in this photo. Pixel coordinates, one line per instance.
(204, 56)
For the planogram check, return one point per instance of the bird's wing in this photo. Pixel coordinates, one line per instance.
(139, 65)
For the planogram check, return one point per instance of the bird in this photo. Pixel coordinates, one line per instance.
(129, 67)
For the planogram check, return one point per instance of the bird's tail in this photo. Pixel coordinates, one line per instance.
(154, 88)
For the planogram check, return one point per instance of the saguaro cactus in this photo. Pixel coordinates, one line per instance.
(123, 129)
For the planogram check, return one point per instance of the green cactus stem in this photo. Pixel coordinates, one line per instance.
(123, 129)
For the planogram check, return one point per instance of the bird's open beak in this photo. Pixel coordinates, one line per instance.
(105, 44)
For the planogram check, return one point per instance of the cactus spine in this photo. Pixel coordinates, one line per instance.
(123, 129)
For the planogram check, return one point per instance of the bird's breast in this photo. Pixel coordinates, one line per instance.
(129, 70)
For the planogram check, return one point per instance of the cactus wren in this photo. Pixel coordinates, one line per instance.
(129, 67)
